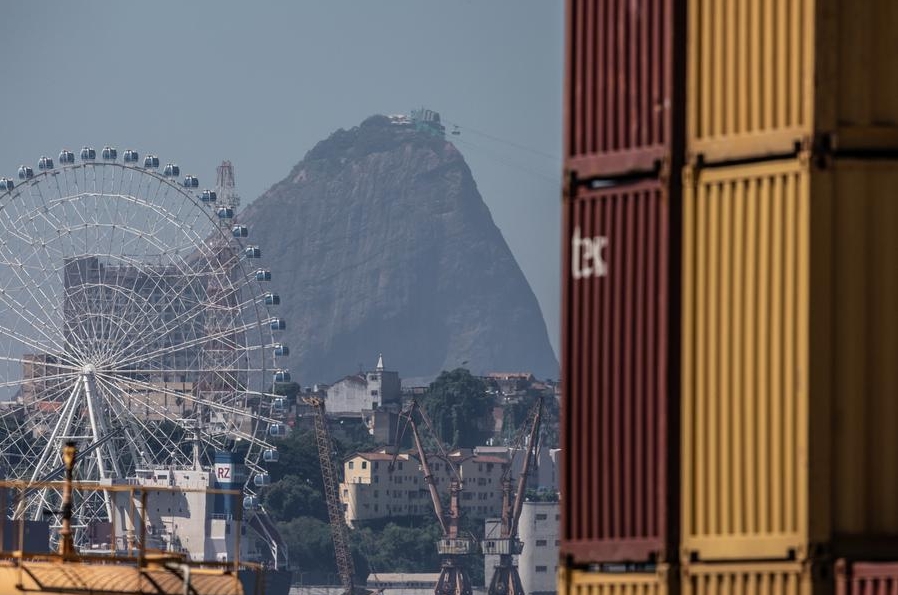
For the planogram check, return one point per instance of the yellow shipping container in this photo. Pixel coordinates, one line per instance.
(766, 75)
(756, 578)
(790, 359)
(582, 582)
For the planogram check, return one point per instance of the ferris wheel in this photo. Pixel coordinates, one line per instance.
(135, 321)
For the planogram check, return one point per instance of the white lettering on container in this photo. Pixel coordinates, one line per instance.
(586, 256)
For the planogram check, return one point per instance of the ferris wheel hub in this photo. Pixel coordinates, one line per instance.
(88, 369)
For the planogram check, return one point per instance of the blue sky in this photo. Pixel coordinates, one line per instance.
(260, 83)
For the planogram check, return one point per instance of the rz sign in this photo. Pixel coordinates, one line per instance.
(224, 472)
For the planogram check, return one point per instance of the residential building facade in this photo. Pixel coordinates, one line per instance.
(364, 391)
(371, 490)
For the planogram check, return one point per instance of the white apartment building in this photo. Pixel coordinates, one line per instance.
(539, 531)
(364, 391)
(370, 490)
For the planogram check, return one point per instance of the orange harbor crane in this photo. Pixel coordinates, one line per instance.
(453, 579)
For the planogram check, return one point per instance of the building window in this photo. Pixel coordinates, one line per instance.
(539, 517)
(365, 466)
(377, 479)
(540, 542)
(376, 493)
(374, 393)
(541, 569)
(372, 377)
(376, 465)
(351, 465)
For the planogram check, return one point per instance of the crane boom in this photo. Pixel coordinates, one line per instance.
(428, 477)
(525, 470)
(345, 566)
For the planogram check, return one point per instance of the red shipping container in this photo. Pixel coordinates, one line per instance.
(866, 578)
(625, 74)
(618, 443)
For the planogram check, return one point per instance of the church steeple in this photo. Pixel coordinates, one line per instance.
(380, 362)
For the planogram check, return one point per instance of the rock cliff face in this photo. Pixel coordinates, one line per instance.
(379, 242)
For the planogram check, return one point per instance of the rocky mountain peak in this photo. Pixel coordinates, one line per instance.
(379, 242)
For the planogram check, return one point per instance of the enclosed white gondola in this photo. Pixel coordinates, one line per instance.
(277, 324)
(151, 162)
(281, 376)
(262, 479)
(190, 182)
(66, 157)
(45, 163)
(6, 184)
(281, 350)
(225, 213)
(272, 299)
(208, 196)
(263, 275)
(240, 231)
(88, 153)
(277, 430)
(250, 503)
(278, 404)
(270, 455)
(110, 153)
(253, 252)
(171, 170)
(25, 172)
(131, 156)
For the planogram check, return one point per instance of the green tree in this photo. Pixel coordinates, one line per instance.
(517, 414)
(311, 549)
(292, 497)
(460, 408)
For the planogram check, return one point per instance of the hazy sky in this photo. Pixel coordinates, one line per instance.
(260, 83)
